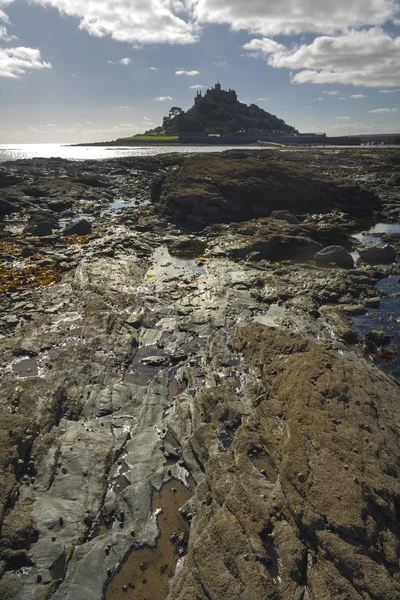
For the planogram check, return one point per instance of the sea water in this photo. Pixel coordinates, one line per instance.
(23, 151)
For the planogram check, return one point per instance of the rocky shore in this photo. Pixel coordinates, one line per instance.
(187, 411)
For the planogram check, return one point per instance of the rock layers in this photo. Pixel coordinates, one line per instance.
(215, 371)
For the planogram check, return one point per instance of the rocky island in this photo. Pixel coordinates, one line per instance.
(188, 408)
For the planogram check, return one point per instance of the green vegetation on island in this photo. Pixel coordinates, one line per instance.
(155, 135)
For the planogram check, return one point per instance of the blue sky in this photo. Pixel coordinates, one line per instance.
(74, 71)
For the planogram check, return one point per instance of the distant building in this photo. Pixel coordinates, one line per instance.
(217, 95)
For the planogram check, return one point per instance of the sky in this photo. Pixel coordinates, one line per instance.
(95, 70)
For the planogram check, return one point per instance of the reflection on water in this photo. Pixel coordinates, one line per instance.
(373, 235)
(20, 151)
(167, 267)
(385, 228)
(385, 318)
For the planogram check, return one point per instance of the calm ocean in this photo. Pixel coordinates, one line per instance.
(19, 151)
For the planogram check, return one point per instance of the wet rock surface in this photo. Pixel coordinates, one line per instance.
(192, 415)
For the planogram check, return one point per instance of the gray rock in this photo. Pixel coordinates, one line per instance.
(41, 223)
(6, 207)
(334, 255)
(82, 227)
(378, 254)
(372, 302)
(378, 337)
(27, 251)
(42, 229)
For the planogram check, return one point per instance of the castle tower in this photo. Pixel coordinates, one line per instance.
(198, 97)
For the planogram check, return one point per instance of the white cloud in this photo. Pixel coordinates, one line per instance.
(123, 107)
(342, 98)
(272, 17)
(357, 128)
(125, 61)
(364, 58)
(330, 93)
(111, 62)
(153, 69)
(188, 73)
(221, 64)
(4, 4)
(4, 35)
(15, 62)
(343, 118)
(389, 91)
(261, 99)
(162, 98)
(357, 96)
(132, 21)
(197, 86)
(384, 110)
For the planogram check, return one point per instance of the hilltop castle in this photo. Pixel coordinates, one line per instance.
(217, 95)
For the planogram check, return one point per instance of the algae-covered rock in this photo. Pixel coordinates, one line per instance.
(222, 189)
(304, 500)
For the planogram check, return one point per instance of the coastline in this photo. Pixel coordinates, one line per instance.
(190, 337)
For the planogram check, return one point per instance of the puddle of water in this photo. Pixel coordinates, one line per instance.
(28, 366)
(372, 234)
(272, 563)
(25, 367)
(57, 570)
(99, 527)
(188, 249)
(121, 482)
(119, 205)
(385, 228)
(166, 266)
(64, 224)
(146, 363)
(364, 239)
(387, 318)
(146, 572)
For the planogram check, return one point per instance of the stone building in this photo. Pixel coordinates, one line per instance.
(217, 95)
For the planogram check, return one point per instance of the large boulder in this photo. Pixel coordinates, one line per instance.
(42, 229)
(41, 223)
(224, 189)
(378, 254)
(336, 256)
(81, 227)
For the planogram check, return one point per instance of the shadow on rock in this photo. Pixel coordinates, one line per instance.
(220, 189)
